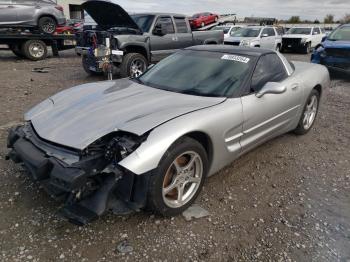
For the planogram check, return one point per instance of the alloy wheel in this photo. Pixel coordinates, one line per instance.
(310, 112)
(137, 67)
(182, 179)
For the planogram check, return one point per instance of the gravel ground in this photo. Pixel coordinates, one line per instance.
(288, 200)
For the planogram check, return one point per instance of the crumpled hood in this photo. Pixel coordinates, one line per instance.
(108, 15)
(80, 115)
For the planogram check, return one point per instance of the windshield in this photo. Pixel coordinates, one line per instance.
(223, 28)
(199, 73)
(144, 22)
(299, 31)
(247, 32)
(340, 34)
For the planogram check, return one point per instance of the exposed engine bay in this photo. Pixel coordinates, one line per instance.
(90, 182)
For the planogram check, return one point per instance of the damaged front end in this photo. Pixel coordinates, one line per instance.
(90, 182)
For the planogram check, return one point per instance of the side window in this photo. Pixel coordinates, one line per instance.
(268, 69)
(316, 31)
(271, 32)
(264, 32)
(6, 2)
(166, 23)
(181, 24)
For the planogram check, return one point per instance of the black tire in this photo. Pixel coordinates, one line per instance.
(34, 50)
(128, 60)
(278, 48)
(47, 25)
(301, 129)
(155, 201)
(86, 66)
(307, 48)
(16, 49)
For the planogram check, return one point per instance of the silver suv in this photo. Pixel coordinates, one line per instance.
(42, 14)
(256, 36)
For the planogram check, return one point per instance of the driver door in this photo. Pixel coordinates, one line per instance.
(163, 45)
(271, 114)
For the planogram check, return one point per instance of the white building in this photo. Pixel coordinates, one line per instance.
(72, 8)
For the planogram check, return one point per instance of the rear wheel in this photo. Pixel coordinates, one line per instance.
(309, 114)
(179, 178)
(34, 50)
(133, 65)
(16, 49)
(47, 25)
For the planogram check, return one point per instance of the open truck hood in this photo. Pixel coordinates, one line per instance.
(108, 15)
(78, 116)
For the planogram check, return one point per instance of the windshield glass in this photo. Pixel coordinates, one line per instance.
(299, 31)
(143, 21)
(223, 28)
(340, 34)
(247, 32)
(199, 73)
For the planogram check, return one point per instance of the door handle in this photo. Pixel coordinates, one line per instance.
(10, 6)
(295, 87)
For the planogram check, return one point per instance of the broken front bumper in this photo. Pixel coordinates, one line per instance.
(89, 186)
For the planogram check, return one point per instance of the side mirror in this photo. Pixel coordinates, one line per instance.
(264, 35)
(271, 88)
(159, 30)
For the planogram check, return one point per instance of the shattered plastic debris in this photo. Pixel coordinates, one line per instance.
(124, 247)
(195, 211)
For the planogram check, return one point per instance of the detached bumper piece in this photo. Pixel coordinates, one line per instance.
(86, 189)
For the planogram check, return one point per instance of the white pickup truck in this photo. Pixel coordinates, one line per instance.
(302, 38)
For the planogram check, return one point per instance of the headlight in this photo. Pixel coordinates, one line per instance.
(303, 40)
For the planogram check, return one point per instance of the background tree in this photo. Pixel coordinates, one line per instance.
(329, 19)
(294, 20)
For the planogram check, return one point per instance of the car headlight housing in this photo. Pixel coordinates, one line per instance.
(303, 40)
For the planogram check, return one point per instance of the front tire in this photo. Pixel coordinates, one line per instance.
(133, 65)
(309, 115)
(47, 25)
(307, 48)
(179, 178)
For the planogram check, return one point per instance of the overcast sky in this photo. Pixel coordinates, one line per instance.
(306, 9)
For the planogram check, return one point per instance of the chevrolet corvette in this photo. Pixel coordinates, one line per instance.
(148, 143)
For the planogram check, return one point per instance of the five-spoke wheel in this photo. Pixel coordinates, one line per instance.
(179, 177)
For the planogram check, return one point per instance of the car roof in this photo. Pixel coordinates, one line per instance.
(249, 51)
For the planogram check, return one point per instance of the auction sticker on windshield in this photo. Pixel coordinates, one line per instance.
(236, 58)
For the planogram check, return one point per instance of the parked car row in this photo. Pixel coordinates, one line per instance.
(296, 39)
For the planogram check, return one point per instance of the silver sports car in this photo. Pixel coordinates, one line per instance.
(150, 142)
